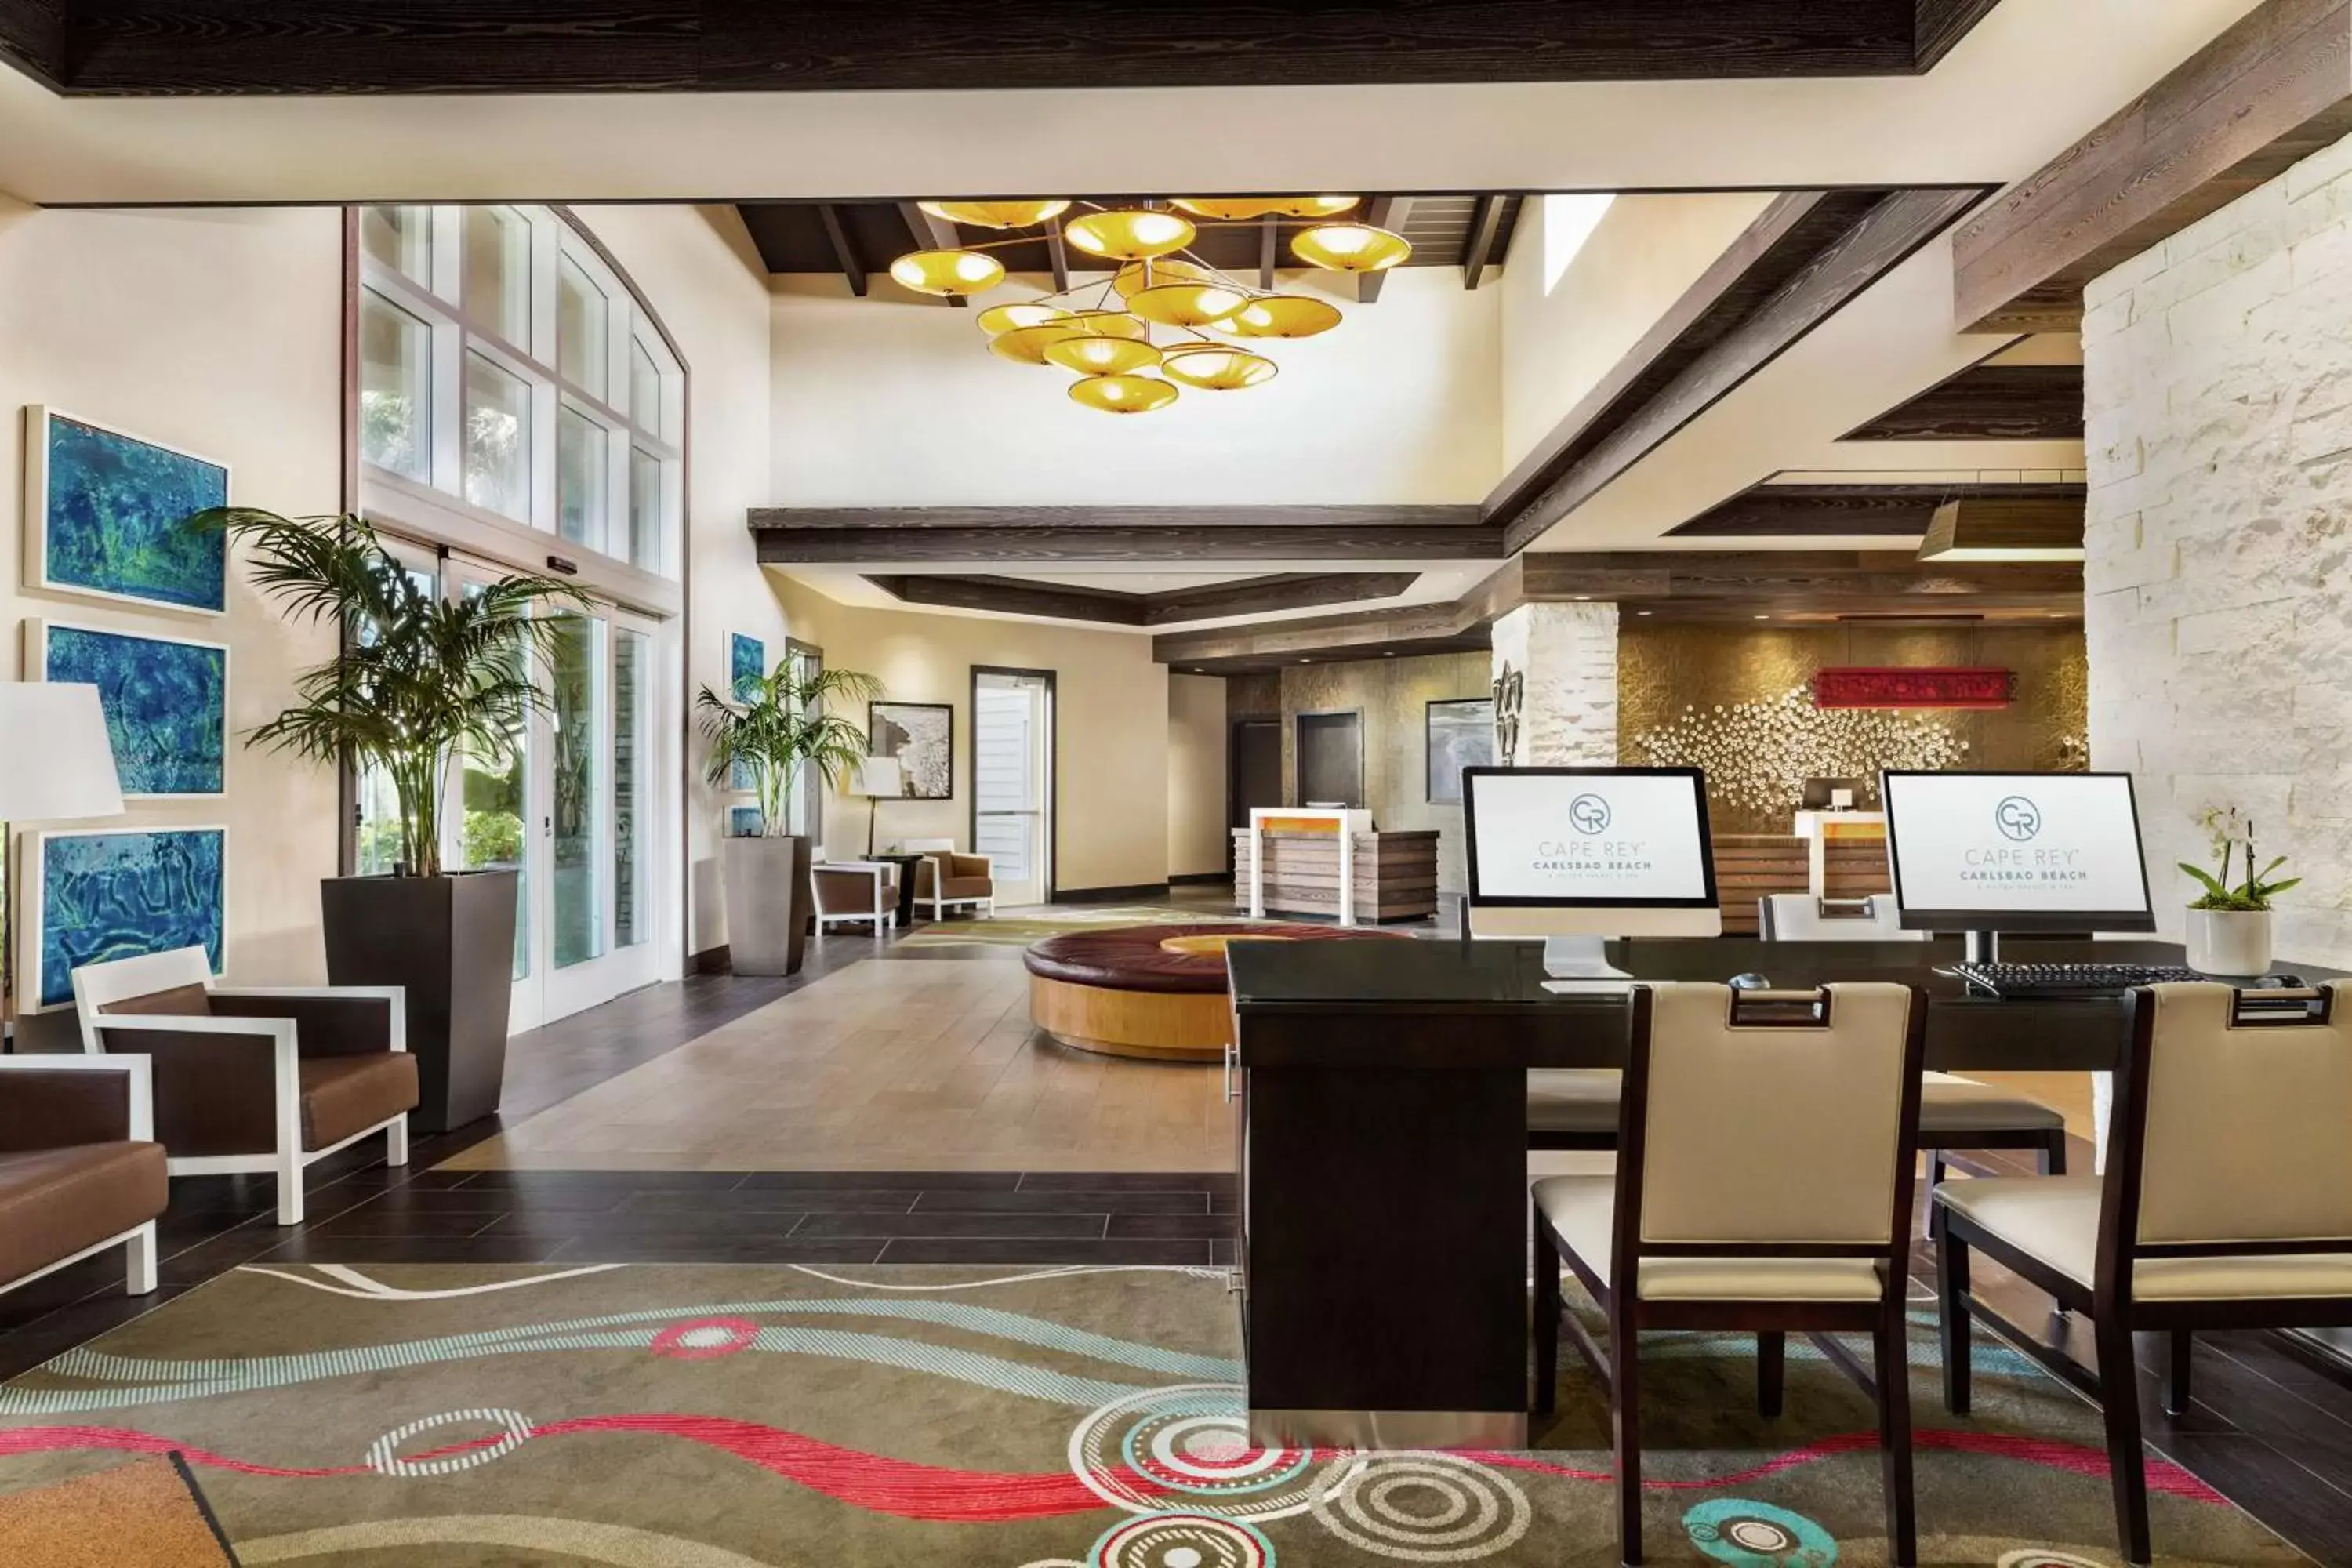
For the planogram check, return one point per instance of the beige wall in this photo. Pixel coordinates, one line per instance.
(896, 402)
(216, 331)
(1197, 828)
(1111, 723)
(1557, 343)
(697, 267)
(1393, 695)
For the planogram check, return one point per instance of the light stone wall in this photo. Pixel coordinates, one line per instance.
(2218, 380)
(1567, 652)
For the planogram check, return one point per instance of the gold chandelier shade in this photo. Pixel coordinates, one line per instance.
(1122, 394)
(1214, 367)
(1101, 356)
(1027, 345)
(1129, 234)
(1005, 318)
(1282, 316)
(1137, 275)
(1350, 247)
(1104, 324)
(1187, 304)
(998, 214)
(950, 273)
(1241, 209)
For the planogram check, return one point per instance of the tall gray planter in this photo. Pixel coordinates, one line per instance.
(769, 899)
(450, 941)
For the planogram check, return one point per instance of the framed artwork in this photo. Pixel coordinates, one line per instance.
(103, 516)
(747, 661)
(1460, 733)
(165, 699)
(744, 822)
(91, 896)
(921, 735)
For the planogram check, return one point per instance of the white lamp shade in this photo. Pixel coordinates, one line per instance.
(56, 762)
(881, 776)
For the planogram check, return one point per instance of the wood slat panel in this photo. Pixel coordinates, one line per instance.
(1989, 403)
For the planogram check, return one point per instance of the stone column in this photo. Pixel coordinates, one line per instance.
(1564, 659)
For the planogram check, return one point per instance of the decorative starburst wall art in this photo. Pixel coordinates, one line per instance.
(1758, 755)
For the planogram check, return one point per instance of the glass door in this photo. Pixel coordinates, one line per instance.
(1011, 775)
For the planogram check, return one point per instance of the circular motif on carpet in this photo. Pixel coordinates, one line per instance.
(1422, 1507)
(1757, 1535)
(1193, 1440)
(1182, 1541)
(384, 1454)
(705, 1339)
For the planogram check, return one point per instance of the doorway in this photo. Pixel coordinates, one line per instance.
(1013, 755)
(1254, 772)
(1331, 759)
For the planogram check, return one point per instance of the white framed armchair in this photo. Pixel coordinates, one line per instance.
(79, 1168)
(255, 1078)
(946, 880)
(855, 893)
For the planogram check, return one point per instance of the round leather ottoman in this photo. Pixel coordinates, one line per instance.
(1151, 991)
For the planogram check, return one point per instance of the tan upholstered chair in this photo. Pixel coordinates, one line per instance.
(2227, 1203)
(945, 880)
(855, 893)
(79, 1168)
(254, 1079)
(1689, 1235)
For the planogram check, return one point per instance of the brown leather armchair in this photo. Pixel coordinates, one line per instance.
(79, 1168)
(944, 878)
(256, 1078)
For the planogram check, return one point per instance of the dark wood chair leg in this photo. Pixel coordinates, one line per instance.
(1952, 1276)
(1625, 1403)
(1891, 1370)
(1546, 1259)
(2126, 1462)
(1935, 1179)
(1771, 1371)
(2176, 1383)
(2053, 1154)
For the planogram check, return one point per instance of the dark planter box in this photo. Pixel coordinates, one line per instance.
(450, 941)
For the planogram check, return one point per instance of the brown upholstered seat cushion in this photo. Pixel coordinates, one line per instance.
(344, 1095)
(967, 888)
(56, 1202)
(1166, 958)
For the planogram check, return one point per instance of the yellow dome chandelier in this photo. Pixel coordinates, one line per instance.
(1165, 316)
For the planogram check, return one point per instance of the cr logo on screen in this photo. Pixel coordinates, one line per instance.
(1588, 814)
(2018, 818)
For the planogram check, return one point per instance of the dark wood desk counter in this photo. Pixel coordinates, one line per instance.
(1384, 1154)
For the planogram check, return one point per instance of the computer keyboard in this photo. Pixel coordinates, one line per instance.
(2070, 979)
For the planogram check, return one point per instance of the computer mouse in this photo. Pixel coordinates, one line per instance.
(1750, 983)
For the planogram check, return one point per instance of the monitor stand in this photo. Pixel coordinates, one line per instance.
(1980, 946)
(1580, 964)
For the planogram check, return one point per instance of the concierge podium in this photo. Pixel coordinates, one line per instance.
(1305, 861)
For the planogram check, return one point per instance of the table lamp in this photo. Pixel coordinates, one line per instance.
(878, 779)
(55, 765)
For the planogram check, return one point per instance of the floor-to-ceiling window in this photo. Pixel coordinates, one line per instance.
(508, 376)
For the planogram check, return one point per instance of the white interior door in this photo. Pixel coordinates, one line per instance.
(1013, 804)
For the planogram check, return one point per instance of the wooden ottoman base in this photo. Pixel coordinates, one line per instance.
(1166, 1025)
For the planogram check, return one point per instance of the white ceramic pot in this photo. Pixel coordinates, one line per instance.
(2230, 942)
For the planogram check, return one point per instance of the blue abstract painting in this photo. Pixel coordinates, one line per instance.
(747, 661)
(102, 896)
(166, 704)
(743, 822)
(111, 507)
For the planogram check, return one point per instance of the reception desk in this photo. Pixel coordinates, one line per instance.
(1303, 861)
(1383, 1150)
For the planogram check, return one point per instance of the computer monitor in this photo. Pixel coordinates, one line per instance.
(1982, 852)
(1823, 795)
(1579, 855)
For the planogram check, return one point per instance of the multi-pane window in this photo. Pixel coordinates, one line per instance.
(502, 361)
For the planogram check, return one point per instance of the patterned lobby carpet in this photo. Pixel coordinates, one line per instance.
(144, 1513)
(1020, 927)
(754, 1417)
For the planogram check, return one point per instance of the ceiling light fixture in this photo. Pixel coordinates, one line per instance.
(1161, 283)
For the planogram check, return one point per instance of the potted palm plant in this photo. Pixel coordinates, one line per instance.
(418, 679)
(2229, 923)
(778, 727)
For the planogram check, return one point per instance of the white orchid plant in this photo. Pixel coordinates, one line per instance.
(2229, 830)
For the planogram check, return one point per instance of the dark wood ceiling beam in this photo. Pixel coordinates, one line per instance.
(2001, 524)
(33, 39)
(1039, 536)
(843, 251)
(1011, 596)
(2271, 90)
(1381, 212)
(1822, 579)
(304, 47)
(1432, 626)
(1111, 606)
(1485, 219)
(1847, 510)
(1989, 403)
(1717, 335)
(930, 233)
(1269, 595)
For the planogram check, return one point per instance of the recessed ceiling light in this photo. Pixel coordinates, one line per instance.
(1387, 653)
(1306, 661)
(1646, 612)
(1584, 599)
(1763, 618)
